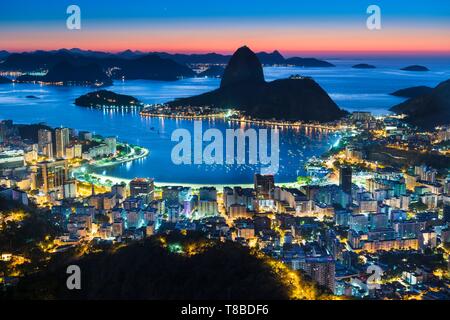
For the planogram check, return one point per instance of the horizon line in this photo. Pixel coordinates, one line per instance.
(230, 52)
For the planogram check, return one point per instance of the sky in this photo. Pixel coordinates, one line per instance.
(291, 26)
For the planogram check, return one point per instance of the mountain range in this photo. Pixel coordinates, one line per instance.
(32, 61)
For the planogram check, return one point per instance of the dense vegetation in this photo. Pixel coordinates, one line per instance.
(174, 266)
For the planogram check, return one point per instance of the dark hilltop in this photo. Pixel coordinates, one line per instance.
(243, 87)
(428, 110)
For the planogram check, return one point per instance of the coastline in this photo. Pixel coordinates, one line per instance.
(277, 123)
(159, 184)
(145, 153)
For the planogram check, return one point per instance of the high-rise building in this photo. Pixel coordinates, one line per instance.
(111, 142)
(171, 195)
(45, 145)
(321, 269)
(52, 176)
(47, 150)
(78, 150)
(70, 152)
(264, 184)
(208, 194)
(44, 137)
(142, 187)
(345, 179)
(207, 205)
(207, 208)
(62, 141)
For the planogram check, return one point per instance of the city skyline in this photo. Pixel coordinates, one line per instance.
(319, 171)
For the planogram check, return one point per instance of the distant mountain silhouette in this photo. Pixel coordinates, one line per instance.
(4, 80)
(213, 72)
(243, 87)
(102, 98)
(74, 74)
(149, 67)
(70, 74)
(206, 58)
(308, 62)
(43, 60)
(415, 68)
(272, 58)
(152, 67)
(129, 54)
(35, 61)
(3, 54)
(428, 110)
(363, 66)
(412, 92)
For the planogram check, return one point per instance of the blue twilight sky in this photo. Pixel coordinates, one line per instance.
(205, 25)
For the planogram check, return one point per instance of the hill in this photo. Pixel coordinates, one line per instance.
(67, 73)
(412, 92)
(151, 67)
(148, 67)
(428, 110)
(243, 87)
(198, 269)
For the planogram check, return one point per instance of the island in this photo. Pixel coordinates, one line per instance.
(415, 68)
(107, 99)
(308, 62)
(363, 66)
(428, 110)
(244, 88)
(412, 92)
(4, 80)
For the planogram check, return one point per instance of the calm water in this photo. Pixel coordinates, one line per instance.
(351, 89)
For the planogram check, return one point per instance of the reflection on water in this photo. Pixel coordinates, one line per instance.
(351, 89)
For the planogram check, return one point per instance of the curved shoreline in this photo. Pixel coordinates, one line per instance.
(145, 153)
(261, 122)
(159, 184)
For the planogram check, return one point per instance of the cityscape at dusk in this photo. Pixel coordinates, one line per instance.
(202, 152)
